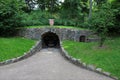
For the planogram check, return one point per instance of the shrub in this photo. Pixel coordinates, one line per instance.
(36, 18)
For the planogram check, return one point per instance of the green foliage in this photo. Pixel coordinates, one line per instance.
(68, 13)
(49, 5)
(102, 20)
(10, 11)
(116, 6)
(36, 18)
(106, 57)
(42, 18)
(100, 2)
(71, 10)
(14, 47)
(65, 22)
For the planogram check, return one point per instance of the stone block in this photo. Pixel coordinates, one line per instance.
(91, 67)
(99, 69)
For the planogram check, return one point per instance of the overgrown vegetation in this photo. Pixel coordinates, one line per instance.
(18, 13)
(116, 6)
(106, 57)
(101, 21)
(35, 18)
(10, 16)
(14, 47)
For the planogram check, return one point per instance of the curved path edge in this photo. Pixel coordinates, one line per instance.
(31, 52)
(90, 67)
(65, 54)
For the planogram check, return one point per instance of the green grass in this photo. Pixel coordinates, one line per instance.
(108, 57)
(14, 47)
(47, 26)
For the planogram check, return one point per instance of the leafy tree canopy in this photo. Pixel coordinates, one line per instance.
(10, 18)
(102, 20)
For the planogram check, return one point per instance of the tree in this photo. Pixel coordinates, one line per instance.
(84, 7)
(90, 10)
(100, 2)
(10, 16)
(101, 21)
(71, 8)
(93, 4)
(49, 5)
(116, 6)
(31, 4)
(42, 4)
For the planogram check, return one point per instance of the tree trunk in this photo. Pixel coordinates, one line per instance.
(102, 40)
(90, 10)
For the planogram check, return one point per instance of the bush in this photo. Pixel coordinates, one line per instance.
(36, 18)
(41, 18)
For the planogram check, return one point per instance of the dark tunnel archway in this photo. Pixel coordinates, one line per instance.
(82, 38)
(50, 40)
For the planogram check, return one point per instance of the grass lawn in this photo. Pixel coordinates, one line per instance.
(47, 26)
(14, 47)
(107, 58)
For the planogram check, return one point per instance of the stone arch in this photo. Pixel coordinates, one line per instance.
(50, 39)
(82, 38)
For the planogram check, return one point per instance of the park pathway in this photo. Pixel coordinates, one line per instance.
(47, 64)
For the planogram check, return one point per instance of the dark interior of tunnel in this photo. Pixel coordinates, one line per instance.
(50, 40)
(82, 39)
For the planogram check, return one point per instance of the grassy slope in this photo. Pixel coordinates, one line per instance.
(70, 27)
(14, 47)
(107, 58)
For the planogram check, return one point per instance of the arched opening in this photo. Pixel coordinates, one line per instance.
(51, 40)
(82, 38)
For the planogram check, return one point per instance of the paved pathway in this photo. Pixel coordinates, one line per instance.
(47, 64)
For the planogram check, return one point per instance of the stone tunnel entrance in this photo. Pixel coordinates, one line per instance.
(50, 40)
(82, 38)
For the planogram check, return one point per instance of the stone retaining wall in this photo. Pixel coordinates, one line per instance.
(35, 33)
(63, 33)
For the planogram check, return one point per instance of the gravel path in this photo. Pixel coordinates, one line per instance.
(47, 64)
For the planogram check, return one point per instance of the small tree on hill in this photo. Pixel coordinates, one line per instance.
(101, 21)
